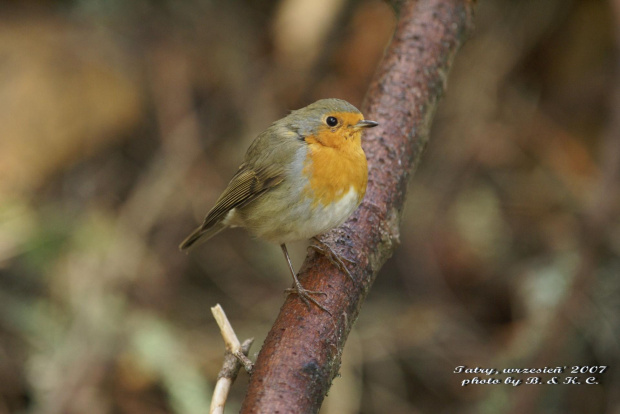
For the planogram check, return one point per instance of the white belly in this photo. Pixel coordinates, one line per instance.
(296, 222)
(327, 217)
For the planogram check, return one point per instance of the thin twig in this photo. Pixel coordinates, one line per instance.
(234, 359)
(230, 339)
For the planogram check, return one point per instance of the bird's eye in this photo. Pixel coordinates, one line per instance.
(331, 121)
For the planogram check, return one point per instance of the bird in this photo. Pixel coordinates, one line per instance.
(302, 176)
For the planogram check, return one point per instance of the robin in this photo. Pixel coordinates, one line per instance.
(301, 177)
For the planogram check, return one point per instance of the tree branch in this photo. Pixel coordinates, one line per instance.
(301, 354)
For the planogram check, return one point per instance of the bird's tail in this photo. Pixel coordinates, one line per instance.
(201, 235)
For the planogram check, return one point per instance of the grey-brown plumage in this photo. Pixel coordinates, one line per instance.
(244, 187)
(267, 164)
(302, 176)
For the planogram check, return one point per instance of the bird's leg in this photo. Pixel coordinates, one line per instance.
(332, 256)
(304, 294)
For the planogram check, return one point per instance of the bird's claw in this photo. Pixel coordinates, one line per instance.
(334, 258)
(305, 296)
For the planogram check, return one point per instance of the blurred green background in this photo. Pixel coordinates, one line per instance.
(123, 121)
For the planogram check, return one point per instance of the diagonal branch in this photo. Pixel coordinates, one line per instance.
(301, 354)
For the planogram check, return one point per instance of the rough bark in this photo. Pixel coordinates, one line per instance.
(301, 354)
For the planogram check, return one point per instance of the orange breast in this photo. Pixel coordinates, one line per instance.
(333, 170)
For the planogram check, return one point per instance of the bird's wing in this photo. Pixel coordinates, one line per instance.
(247, 184)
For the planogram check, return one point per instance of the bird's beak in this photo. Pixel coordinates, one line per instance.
(366, 124)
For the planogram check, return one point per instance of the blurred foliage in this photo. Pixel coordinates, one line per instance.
(123, 121)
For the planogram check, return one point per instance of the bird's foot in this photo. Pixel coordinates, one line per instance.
(306, 295)
(332, 256)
